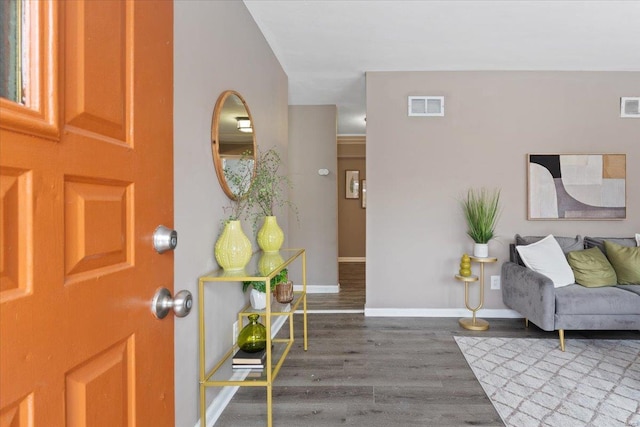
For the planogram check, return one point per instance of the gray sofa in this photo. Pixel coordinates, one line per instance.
(572, 307)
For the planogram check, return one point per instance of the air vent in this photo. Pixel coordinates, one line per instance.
(426, 106)
(630, 107)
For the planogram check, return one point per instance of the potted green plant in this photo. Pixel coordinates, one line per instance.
(481, 209)
(258, 295)
(239, 177)
(268, 192)
(233, 248)
(283, 291)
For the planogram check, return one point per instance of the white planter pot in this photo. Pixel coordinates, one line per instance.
(481, 250)
(258, 299)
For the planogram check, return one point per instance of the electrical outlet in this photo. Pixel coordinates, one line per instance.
(235, 332)
(495, 282)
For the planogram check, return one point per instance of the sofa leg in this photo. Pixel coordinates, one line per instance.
(526, 322)
(561, 333)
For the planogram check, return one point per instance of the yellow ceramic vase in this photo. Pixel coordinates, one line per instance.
(270, 236)
(268, 262)
(465, 266)
(233, 248)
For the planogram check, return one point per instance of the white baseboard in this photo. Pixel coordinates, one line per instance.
(352, 259)
(222, 399)
(440, 312)
(319, 289)
(337, 311)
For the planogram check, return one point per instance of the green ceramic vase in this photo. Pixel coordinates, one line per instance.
(253, 337)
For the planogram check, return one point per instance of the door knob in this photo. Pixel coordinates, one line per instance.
(163, 303)
(164, 239)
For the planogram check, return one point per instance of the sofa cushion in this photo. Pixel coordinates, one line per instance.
(598, 242)
(630, 288)
(567, 244)
(591, 268)
(613, 300)
(546, 257)
(625, 261)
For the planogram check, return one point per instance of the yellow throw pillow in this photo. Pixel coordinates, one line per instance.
(625, 261)
(591, 268)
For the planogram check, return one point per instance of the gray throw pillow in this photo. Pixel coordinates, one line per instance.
(598, 242)
(567, 244)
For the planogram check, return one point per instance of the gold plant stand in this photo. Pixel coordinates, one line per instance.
(473, 323)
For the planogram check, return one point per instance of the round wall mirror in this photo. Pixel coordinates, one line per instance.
(233, 143)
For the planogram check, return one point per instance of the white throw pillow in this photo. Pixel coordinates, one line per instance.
(638, 239)
(546, 257)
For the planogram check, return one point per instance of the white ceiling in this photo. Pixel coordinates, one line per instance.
(326, 46)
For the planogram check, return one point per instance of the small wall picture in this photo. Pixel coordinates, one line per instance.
(352, 181)
(364, 193)
(576, 186)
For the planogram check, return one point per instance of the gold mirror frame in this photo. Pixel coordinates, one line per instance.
(228, 143)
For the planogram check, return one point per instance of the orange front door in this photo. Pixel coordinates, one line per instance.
(86, 176)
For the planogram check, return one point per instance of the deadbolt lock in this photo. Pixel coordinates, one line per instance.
(164, 239)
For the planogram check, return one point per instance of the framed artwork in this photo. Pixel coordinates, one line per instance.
(352, 181)
(576, 186)
(364, 193)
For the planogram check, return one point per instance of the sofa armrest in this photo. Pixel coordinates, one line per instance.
(530, 294)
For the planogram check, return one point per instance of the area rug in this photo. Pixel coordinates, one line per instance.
(532, 383)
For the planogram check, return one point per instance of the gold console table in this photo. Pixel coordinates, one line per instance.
(222, 373)
(473, 323)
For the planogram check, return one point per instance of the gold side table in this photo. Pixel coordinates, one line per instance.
(473, 323)
(222, 374)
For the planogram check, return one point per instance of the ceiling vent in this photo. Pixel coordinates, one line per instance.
(630, 107)
(426, 106)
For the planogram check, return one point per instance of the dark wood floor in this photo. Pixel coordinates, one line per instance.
(351, 276)
(368, 371)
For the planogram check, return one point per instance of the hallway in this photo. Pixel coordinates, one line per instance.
(351, 297)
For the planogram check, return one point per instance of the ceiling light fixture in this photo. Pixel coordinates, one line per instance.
(244, 124)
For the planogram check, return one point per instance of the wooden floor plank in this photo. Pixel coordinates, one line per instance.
(351, 276)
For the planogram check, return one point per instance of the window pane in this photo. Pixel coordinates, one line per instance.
(11, 65)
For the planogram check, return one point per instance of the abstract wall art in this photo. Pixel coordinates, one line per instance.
(576, 186)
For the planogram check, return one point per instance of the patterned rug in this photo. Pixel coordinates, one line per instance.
(532, 383)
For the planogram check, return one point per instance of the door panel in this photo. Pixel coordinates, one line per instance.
(98, 43)
(100, 392)
(97, 226)
(80, 346)
(16, 220)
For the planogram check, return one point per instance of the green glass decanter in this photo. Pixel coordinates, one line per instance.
(253, 337)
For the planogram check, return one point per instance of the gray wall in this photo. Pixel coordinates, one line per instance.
(418, 168)
(312, 146)
(217, 47)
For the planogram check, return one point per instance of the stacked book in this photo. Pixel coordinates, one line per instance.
(244, 360)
